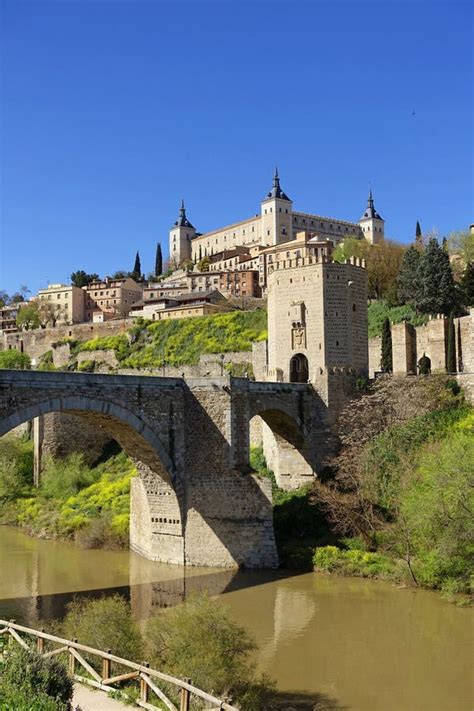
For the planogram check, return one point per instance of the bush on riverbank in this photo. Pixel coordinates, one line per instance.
(355, 562)
(29, 682)
(105, 623)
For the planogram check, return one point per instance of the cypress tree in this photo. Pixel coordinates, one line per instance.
(438, 291)
(418, 234)
(467, 285)
(408, 284)
(200, 252)
(137, 269)
(451, 356)
(386, 361)
(158, 261)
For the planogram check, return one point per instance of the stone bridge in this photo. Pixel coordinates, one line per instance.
(196, 501)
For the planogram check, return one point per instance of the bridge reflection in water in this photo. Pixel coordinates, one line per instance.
(40, 577)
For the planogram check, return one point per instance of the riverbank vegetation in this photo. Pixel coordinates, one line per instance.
(88, 504)
(195, 639)
(397, 501)
(29, 682)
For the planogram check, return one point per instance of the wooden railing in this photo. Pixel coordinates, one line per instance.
(106, 681)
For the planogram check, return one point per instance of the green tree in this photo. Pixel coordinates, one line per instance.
(467, 285)
(82, 278)
(451, 354)
(28, 317)
(408, 277)
(158, 261)
(120, 274)
(203, 264)
(4, 299)
(350, 247)
(462, 244)
(136, 274)
(386, 362)
(438, 292)
(14, 360)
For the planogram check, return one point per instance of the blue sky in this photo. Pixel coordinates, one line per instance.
(112, 110)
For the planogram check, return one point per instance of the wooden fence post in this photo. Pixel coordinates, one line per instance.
(144, 686)
(185, 698)
(40, 644)
(72, 661)
(106, 667)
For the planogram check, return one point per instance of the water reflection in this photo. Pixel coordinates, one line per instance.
(335, 643)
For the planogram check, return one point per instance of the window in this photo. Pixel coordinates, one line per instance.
(279, 209)
(268, 233)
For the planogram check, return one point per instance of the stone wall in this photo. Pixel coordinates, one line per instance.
(36, 343)
(409, 344)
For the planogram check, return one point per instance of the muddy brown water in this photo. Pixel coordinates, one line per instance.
(337, 643)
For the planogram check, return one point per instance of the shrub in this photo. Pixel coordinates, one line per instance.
(105, 623)
(27, 674)
(14, 360)
(16, 466)
(353, 562)
(436, 507)
(46, 361)
(198, 639)
(64, 477)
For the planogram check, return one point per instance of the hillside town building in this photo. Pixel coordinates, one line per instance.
(276, 223)
(68, 302)
(110, 298)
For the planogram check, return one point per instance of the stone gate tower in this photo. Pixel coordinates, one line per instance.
(317, 324)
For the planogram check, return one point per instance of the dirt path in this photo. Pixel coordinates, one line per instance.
(90, 700)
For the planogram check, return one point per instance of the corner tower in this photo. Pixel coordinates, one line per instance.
(371, 223)
(277, 209)
(180, 238)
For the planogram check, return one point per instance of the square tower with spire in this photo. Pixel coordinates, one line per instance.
(180, 237)
(371, 223)
(276, 212)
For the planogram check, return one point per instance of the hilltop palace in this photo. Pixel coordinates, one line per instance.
(276, 224)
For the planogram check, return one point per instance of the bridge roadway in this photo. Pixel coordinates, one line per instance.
(195, 501)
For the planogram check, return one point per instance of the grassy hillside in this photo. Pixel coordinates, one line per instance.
(178, 342)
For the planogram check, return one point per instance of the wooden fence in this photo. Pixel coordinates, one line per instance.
(107, 680)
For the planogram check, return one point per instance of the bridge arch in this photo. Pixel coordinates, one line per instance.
(158, 507)
(285, 445)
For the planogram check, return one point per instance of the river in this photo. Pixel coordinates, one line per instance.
(363, 645)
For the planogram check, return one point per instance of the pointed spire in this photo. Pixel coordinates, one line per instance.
(276, 191)
(370, 212)
(182, 220)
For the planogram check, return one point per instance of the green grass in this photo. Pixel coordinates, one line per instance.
(378, 311)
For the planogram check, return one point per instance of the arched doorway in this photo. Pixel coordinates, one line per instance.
(299, 370)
